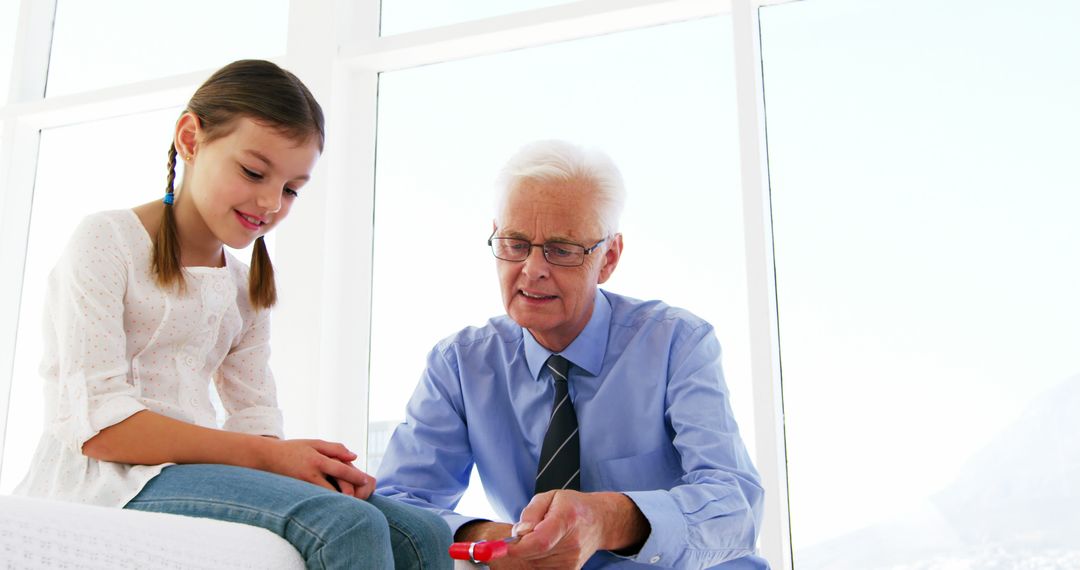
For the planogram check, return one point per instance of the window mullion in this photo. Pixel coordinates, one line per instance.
(18, 163)
(771, 459)
(531, 28)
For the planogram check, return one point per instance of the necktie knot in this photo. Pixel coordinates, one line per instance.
(558, 366)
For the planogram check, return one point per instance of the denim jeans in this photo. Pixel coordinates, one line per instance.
(330, 530)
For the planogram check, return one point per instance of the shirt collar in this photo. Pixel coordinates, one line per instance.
(586, 351)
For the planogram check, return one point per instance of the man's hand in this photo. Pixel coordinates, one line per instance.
(562, 529)
(487, 530)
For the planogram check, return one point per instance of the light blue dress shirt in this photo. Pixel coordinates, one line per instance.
(655, 424)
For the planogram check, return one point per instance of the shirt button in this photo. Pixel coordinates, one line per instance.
(190, 360)
(654, 559)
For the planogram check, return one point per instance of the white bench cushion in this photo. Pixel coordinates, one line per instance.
(38, 533)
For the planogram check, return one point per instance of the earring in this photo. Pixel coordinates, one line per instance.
(189, 157)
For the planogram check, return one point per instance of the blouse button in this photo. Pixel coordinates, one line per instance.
(219, 286)
(190, 360)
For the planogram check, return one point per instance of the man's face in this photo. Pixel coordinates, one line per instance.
(552, 301)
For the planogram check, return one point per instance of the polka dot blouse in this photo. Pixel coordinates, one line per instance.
(115, 344)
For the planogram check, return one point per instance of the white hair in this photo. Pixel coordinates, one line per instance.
(561, 161)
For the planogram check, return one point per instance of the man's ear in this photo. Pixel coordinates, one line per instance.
(188, 129)
(611, 258)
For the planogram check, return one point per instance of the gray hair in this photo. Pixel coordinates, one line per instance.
(561, 161)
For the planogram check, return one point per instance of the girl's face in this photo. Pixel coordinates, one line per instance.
(243, 184)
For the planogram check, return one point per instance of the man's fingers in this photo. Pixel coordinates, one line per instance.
(531, 516)
(522, 528)
(540, 528)
(536, 510)
(565, 535)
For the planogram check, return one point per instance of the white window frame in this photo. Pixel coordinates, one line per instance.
(322, 336)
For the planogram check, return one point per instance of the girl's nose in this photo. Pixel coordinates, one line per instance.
(269, 200)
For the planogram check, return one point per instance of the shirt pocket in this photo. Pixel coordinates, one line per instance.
(657, 469)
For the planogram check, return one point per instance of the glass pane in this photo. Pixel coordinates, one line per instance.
(70, 184)
(660, 101)
(922, 157)
(110, 42)
(9, 20)
(399, 16)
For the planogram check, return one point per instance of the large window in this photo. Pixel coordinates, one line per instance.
(67, 188)
(110, 42)
(400, 16)
(666, 116)
(922, 157)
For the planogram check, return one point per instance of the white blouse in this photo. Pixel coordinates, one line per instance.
(115, 344)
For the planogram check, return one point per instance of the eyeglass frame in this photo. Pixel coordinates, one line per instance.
(544, 249)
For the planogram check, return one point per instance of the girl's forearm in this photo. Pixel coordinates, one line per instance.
(148, 438)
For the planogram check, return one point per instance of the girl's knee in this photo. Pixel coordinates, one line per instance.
(420, 538)
(336, 517)
(352, 512)
(433, 527)
(351, 530)
(413, 520)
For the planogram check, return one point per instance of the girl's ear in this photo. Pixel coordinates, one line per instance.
(187, 133)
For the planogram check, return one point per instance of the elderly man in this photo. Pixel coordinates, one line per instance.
(600, 423)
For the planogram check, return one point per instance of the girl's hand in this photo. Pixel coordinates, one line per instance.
(314, 461)
(359, 492)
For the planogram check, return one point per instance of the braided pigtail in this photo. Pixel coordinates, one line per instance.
(166, 257)
(261, 288)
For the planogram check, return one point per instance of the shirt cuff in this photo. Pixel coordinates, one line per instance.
(76, 430)
(666, 537)
(457, 521)
(260, 420)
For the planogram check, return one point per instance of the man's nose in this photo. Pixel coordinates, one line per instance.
(536, 265)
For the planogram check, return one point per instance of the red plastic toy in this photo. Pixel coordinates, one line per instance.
(483, 551)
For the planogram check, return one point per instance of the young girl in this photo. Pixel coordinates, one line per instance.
(146, 306)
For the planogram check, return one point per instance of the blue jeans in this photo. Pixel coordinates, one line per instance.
(330, 530)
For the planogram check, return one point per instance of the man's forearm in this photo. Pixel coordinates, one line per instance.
(482, 530)
(625, 527)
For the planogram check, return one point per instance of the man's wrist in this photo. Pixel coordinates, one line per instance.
(626, 528)
(477, 530)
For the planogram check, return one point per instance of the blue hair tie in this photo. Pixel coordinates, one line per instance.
(168, 199)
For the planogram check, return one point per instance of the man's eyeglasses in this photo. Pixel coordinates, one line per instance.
(555, 252)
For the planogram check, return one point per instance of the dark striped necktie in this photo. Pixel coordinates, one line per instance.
(560, 457)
